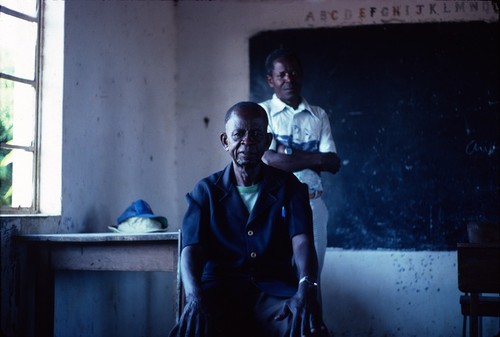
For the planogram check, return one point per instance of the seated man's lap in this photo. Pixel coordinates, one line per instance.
(266, 309)
(241, 309)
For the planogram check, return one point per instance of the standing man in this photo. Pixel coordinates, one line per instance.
(302, 137)
(248, 262)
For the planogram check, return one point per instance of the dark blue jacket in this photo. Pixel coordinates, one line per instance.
(243, 246)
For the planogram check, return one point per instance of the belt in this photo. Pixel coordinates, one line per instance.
(315, 195)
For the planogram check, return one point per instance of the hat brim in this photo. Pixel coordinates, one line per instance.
(117, 230)
(159, 218)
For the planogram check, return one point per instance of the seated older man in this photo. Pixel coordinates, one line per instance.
(248, 262)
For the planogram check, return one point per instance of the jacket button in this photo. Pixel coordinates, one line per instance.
(250, 233)
(253, 255)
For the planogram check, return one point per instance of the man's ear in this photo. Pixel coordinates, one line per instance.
(223, 140)
(270, 81)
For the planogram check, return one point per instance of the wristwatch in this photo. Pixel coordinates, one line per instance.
(288, 151)
(309, 281)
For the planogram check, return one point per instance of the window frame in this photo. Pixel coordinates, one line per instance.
(34, 148)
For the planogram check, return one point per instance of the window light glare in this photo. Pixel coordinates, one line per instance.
(17, 47)
(27, 7)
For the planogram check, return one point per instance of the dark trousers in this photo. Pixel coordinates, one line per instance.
(239, 309)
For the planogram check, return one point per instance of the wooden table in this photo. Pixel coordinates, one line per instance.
(96, 251)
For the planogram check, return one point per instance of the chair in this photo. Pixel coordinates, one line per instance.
(479, 279)
(179, 305)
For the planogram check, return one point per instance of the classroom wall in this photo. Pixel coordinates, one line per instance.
(142, 78)
(119, 125)
(146, 86)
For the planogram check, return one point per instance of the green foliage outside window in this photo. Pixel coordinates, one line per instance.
(6, 88)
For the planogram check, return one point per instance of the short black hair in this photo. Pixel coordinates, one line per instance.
(245, 105)
(280, 53)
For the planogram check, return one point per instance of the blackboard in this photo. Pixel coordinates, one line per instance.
(414, 110)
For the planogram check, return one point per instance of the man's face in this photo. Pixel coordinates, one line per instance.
(286, 80)
(246, 138)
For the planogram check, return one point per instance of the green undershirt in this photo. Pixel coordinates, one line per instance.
(249, 195)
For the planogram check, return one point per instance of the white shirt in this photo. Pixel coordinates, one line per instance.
(306, 128)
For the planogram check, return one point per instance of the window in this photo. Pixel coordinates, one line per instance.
(19, 97)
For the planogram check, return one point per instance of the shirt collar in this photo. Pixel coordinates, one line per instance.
(226, 180)
(278, 106)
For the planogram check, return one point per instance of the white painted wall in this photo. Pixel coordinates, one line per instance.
(141, 77)
(119, 126)
(393, 293)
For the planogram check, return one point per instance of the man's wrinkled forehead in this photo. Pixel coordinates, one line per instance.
(286, 64)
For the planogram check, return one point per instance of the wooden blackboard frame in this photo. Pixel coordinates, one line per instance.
(414, 109)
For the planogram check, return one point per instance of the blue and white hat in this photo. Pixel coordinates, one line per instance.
(139, 218)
